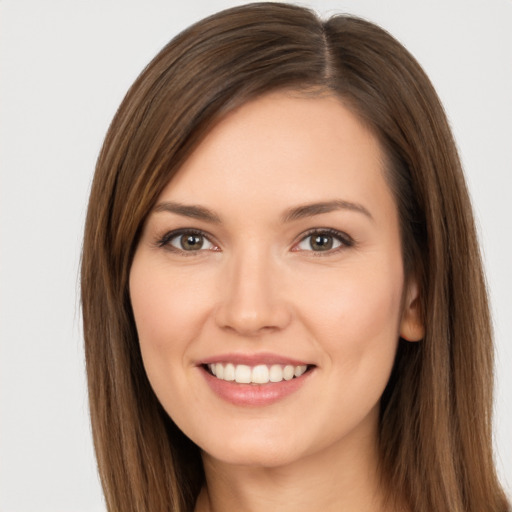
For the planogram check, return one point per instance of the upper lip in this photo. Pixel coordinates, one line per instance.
(253, 359)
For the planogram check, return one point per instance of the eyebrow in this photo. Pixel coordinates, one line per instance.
(309, 210)
(292, 214)
(193, 211)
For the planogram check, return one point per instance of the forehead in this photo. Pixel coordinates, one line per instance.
(287, 147)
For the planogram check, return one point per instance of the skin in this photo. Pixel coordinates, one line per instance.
(257, 286)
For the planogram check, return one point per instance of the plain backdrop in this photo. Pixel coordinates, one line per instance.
(64, 68)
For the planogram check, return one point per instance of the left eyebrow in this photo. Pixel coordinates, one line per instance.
(309, 210)
(193, 211)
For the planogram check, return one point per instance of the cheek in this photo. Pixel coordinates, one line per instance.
(357, 324)
(166, 307)
(167, 312)
(356, 315)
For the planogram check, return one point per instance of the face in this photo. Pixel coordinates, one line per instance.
(268, 284)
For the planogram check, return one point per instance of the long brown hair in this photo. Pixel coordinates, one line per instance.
(435, 425)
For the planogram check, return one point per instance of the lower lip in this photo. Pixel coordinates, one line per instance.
(255, 395)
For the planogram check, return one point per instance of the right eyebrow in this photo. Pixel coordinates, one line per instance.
(309, 210)
(192, 211)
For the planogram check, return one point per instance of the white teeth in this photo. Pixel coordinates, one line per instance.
(288, 372)
(229, 371)
(260, 374)
(276, 373)
(243, 374)
(219, 371)
(299, 370)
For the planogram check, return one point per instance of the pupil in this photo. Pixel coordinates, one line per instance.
(190, 242)
(321, 242)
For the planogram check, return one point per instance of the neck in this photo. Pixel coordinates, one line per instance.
(343, 476)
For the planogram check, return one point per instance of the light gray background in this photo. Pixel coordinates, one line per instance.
(64, 68)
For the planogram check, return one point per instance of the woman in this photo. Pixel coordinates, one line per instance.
(282, 291)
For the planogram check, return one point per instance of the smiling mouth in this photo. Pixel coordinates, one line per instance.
(259, 374)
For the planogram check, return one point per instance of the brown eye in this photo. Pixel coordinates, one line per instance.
(321, 242)
(189, 242)
(324, 241)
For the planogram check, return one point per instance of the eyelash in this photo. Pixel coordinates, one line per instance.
(345, 240)
(165, 241)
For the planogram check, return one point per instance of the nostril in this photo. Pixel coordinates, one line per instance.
(252, 319)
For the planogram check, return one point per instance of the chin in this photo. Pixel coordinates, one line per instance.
(257, 449)
(254, 456)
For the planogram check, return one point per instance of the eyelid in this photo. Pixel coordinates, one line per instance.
(164, 240)
(345, 240)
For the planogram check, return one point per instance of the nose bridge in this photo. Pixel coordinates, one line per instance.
(251, 299)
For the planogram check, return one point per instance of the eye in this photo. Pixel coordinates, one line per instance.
(324, 241)
(187, 241)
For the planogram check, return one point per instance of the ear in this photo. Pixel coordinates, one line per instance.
(411, 324)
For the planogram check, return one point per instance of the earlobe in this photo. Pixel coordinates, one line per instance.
(411, 325)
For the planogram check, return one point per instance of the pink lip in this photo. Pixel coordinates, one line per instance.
(253, 359)
(255, 395)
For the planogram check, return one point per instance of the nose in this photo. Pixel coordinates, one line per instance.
(252, 298)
